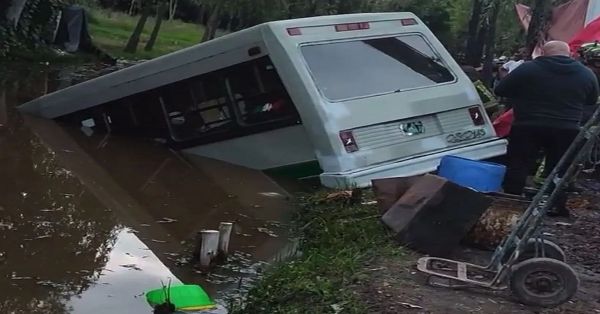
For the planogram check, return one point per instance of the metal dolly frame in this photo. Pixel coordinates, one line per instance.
(524, 256)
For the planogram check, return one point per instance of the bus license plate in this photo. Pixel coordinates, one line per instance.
(412, 128)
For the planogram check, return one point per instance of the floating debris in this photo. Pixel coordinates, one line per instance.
(15, 277)
(45, 210)
(272, 194)
(268, 232)
(48, 283)
(131, 266)
(7, 225)
(166, 220)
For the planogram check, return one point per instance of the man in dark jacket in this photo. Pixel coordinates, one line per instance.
(549, 96)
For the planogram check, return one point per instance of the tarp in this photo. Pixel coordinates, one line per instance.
(568, 19)
(503, 124)
(590, 33)
(72, 31)
(593, 11)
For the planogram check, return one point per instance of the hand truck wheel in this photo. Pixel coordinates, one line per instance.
(551, 250)
(543, 282)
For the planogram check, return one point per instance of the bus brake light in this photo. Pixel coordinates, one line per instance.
(348, 141)
(352, 27)
(408, 22)
(294, 31)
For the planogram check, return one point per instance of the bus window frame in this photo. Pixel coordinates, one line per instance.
(361, 38)
(260, 83)
(239, 128)
(218, 77)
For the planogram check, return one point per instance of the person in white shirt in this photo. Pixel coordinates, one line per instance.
(517, 60)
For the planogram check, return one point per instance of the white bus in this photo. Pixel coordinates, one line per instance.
(365, 95)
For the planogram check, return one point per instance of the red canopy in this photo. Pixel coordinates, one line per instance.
(568, 19)
(590, 33)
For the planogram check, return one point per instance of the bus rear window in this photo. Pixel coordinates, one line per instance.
(369, 67)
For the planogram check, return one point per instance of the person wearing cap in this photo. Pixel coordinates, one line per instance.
(549, 96)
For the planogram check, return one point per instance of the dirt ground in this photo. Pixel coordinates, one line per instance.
(395, 286)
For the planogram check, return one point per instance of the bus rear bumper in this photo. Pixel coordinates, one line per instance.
(360, 178)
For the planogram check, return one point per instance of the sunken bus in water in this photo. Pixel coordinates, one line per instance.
(365, 95)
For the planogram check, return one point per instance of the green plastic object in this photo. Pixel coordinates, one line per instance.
(184, 297)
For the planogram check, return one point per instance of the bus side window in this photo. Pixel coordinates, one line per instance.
(146, 114)
(259, 93)
(196, 107)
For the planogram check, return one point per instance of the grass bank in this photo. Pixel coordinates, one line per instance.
(111, 30)
(337, 241)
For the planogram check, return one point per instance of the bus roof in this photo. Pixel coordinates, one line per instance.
(176, 66)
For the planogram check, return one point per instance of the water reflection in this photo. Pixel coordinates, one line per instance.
(132, 269)
(54, 234)
(76, 207)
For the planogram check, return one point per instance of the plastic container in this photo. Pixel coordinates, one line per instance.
(184, 297)
(485, 177)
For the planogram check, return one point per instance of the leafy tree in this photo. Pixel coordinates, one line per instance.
(23, 23)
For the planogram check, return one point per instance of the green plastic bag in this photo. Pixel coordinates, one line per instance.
(184, 297)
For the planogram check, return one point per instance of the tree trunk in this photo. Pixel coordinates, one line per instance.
(213, 23)
(3, 107)
(490, 44)
(131, 7)
(13, 13)
(473, 55)
(172, 9)
(134, 40)
(159, 18)
(537, 26)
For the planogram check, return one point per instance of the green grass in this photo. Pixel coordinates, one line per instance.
(337, 240)
(111, 30)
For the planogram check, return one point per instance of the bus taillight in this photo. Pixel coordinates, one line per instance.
(476, 116)
(294, 31)
(352, 27)
(408, 22)
(348, 140)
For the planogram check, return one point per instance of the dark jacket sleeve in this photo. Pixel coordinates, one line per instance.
(512, 85)
(592, 100)
(594, 92)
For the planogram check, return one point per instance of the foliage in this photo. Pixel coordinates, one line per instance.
(448, 19)
(336, 241)
(31, 30)
(111, 30)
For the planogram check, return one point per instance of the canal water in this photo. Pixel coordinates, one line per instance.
(89, 222)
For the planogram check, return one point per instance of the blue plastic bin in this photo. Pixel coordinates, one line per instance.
(481, 176)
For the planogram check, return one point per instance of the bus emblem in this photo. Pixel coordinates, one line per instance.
(412, 128)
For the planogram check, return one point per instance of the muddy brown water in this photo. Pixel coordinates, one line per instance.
(88, 223)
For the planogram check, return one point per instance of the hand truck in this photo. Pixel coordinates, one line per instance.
(533, 268)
